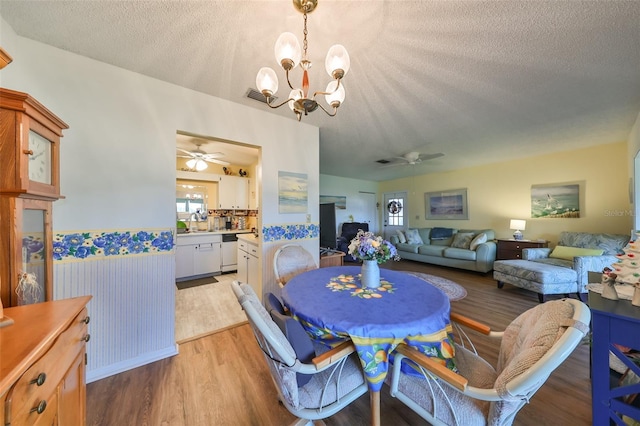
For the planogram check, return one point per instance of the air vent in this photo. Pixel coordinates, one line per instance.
(258, 96)
(383, 161)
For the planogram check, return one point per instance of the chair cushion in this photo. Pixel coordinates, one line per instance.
(432, 250)
(477, 240)
(462, 240)
(458, 253)
(568, 253)
(411, 248)
(536, 271)
(413, 237)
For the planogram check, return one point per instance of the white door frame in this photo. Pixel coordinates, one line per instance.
(394, 221)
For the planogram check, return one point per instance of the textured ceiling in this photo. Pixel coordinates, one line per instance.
(480, 81)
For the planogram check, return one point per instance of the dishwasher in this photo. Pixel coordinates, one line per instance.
(229, 252)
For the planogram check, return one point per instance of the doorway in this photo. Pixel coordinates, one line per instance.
(394, 213)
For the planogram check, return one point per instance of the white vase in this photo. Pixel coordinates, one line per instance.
(370, 274)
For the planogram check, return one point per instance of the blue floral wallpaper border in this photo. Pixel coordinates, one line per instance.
(290, 232)
(95, 244)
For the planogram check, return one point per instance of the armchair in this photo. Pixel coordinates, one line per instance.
(348, 233)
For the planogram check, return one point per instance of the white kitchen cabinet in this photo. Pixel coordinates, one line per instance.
(198, 254)
(233, 193)
(249, 264)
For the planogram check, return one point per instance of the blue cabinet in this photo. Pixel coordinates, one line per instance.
(612, 322)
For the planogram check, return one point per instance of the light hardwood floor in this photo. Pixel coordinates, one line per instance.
(221, 379)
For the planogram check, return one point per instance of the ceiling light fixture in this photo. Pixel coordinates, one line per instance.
(288, 55)
(196, 163)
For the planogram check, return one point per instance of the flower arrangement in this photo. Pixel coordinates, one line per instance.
(367, 246)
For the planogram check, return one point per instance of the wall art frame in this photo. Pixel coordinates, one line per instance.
(448, 204)
(292, 192)
(555, 200)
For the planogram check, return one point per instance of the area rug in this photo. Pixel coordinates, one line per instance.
(206, 309)
(195, 283)
(453, 290)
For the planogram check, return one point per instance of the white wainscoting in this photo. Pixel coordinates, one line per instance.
(132, 310)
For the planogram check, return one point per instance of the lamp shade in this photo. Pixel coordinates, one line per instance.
(337, 59)
(518, 224)
(288, 48)
(267, 81)
(335, 95)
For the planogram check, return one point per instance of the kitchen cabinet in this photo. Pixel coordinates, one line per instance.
(198, 254)
(29, 183)
(249, 263)
(233, 193)
(42, 379)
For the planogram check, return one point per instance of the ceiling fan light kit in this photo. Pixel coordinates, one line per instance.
(198, 158)
(289, 55)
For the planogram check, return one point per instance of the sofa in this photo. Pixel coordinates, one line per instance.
(348, 232)
(470, 249)
(565, 269)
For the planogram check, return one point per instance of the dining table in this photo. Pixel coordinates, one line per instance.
(333, 306)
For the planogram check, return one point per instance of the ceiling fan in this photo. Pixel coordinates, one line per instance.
(410, 158)
(198, 158)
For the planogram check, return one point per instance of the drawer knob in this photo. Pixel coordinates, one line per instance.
(40, 408)
(39, 380)
(86, 337)
(86, 319)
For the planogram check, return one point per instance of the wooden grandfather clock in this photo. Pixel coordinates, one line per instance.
(29, 183)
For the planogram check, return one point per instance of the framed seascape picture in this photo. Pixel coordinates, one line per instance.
(450, 204)
(339, 201)
(292, 192)
(555, 201)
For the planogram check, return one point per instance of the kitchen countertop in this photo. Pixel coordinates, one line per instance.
(224, 231)
(250, 238)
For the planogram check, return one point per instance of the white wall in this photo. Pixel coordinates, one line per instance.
(358, 193)
(118, 156)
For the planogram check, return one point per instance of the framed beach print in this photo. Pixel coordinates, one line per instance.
(450, 204)
(292, 192)
(555, 201)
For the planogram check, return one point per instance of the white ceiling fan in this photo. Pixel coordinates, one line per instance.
(198, 158)
(411, 158)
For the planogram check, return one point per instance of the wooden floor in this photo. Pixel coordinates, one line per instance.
(221, 379)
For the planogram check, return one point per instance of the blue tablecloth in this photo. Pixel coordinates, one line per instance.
(332, 306)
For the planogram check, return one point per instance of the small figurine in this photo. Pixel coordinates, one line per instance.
(608, 284)
(636, 294)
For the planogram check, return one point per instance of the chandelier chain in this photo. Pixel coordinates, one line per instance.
(304, 41)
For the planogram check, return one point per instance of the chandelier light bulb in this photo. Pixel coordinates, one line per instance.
(287, 50)
(337, 59)
(294, 95)
(335, 97)
(267, 81)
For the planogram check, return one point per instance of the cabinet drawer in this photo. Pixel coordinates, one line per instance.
(31, 416)
(40, 381)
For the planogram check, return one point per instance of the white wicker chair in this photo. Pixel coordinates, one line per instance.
(532, 346)
(336, 378)
(291, 260)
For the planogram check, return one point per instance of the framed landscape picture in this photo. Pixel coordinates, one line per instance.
(555, 201)
(450, 204)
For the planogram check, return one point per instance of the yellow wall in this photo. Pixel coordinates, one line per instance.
(499, 192)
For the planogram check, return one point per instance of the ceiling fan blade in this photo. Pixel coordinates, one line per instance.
(213, 160)
(431, 156)
(213, 155)
(185, 151)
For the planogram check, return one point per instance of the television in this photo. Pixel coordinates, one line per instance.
(328, 230)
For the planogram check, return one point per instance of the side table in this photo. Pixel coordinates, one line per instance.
(512, 249)
(612, 322)
(335, 258)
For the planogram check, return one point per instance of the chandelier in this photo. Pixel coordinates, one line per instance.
(288, 55)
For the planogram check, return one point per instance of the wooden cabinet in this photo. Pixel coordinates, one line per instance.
(512, 249)
(249, 264)
(198, 254)
(233, 193)
(42, 374)
(29, 182)
(335, 258)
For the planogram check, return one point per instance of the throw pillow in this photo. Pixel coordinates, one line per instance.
(401, 238)
(568, 253)
(413, 237)
(479, 239)
(462, 240)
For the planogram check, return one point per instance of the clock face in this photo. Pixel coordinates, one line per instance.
(40, 160)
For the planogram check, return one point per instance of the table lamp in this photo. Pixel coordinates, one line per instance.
(517, 224)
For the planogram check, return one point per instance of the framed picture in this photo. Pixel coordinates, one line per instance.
(450, 204)
(555, 201)
(339, 201)
(292, 192)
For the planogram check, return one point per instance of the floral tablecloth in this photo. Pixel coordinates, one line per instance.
(332, 307)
